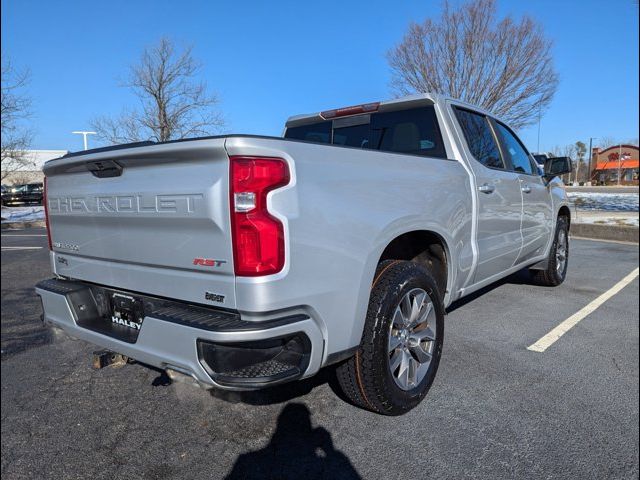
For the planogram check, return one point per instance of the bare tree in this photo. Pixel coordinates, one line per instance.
(15, 110)
(581, 150)
(563, 151)
(501, 65)
(20, 177)
(606, 142)
(173, 104)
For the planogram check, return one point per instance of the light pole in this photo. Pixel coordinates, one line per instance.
(619, 162)
(84, 136)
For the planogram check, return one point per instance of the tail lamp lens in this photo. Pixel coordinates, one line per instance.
(258, 237)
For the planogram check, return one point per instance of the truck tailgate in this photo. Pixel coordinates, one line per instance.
(162, 223)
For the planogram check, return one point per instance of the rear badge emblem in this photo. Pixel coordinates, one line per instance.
(208, 262)
(66, 246)
(214, 297)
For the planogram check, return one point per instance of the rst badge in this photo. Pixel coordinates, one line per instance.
(208, 262)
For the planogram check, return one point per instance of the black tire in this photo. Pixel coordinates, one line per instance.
(554, 275)
(366, 378)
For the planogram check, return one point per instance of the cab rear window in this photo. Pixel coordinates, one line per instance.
(316, 132)
(414, 131)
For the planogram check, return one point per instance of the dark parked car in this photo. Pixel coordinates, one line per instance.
(27, 194)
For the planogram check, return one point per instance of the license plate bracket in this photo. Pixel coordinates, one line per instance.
(114, 313)
(126, 310)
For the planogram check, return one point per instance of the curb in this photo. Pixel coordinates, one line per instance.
(618, 233)
(23, 225)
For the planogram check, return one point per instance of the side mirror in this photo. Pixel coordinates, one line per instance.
(556, 166)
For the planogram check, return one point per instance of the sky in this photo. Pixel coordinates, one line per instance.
(268, 60)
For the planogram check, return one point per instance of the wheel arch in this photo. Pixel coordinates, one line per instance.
(564, 211)
(404, 244)
(425, 247)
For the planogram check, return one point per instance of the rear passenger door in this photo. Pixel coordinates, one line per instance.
(537, 211)
(499, 198)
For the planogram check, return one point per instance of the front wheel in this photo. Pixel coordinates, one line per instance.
(401, 346)
(558, 260)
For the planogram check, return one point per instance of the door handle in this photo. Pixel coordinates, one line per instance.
(526, 188)
(486, 188)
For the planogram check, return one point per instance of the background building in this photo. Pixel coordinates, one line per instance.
(30, 167)
(620, 160)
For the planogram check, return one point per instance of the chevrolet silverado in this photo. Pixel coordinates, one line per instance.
(242, 261)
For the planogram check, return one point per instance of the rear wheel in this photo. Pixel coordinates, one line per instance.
(401, 345)
(558, 260)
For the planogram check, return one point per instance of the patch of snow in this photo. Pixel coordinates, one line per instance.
(22, 214)
(610, 202)
(625, 221)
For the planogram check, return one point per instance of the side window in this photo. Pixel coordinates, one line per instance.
(414, 131)
(514, 151)
(479, 137)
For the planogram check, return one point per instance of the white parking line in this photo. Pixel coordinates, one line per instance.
(21, 248)
(555, 334)
(23, 235)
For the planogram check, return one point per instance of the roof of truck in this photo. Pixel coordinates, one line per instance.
(386, 105)
(393, 104)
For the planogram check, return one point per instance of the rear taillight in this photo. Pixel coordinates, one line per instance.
(258, 237)
(46, 212)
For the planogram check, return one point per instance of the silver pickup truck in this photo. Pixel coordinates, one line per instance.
(243, 261)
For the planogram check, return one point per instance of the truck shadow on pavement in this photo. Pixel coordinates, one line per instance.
(296, 450)
(283, 393)
(521, 277)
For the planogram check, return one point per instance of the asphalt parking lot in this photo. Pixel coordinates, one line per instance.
(496, 409)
